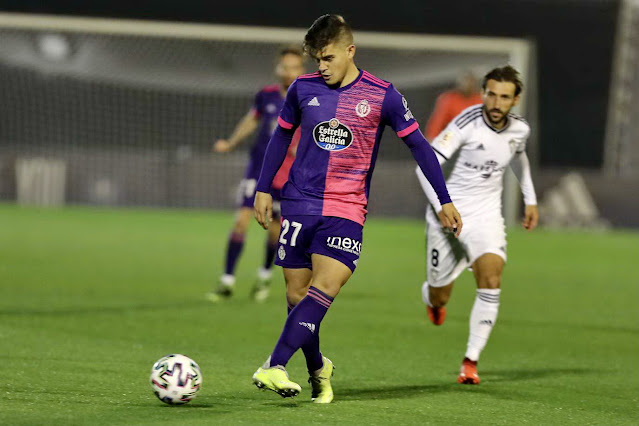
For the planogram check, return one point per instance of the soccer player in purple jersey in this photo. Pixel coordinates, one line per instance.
(262, 116)
(342, 112)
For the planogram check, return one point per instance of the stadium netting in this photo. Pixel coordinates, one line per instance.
(126, 118)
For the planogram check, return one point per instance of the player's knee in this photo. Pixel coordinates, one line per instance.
(490, 281)
(295, 295)
(240, 227)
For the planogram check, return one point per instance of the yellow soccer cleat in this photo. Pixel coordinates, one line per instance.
(276, 379)
(321, 383)
(224, 289)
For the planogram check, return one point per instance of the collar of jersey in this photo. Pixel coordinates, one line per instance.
(483, 117)
(351, 84)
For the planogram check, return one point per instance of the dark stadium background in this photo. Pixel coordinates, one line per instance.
(574, 41)
(112, 274)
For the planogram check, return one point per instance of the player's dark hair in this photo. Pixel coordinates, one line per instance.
(291, 50)
(505, 73)
(325, 30)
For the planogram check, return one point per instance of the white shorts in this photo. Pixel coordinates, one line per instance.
(447, 256)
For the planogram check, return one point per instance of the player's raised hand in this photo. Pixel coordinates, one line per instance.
(450, 218)
(531, 217)
(222, 145)
(263, 208)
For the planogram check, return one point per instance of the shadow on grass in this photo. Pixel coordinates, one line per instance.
(488, 377)
(391, 392)
(499, 376)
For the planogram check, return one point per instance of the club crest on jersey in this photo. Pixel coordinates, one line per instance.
(363, 108)
(332, 135)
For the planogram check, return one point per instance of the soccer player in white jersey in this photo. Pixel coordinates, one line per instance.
(487, 138)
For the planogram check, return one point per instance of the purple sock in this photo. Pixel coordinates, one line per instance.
(311, 350)
(271, 249)
(233, 252)
(302, 330)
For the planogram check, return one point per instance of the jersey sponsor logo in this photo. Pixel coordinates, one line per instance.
(486, 322)
(281, 253)
(346, 244)
(486, 169)
(332, 135)
(313, 102)
(363, 108)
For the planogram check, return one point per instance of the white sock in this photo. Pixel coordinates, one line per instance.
(426, 294)
(264, 274)
(227, 280)
(482, 320)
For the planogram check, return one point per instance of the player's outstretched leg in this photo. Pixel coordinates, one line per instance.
(226, 283)
(275, 379)
(435, 299)
(487, 270)
(320, 380)
(300, 328)
(320, 368)
(262, 286)
(482, 320)
(234, 249)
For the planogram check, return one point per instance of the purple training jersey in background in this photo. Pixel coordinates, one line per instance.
(341, 131)
(267, 105)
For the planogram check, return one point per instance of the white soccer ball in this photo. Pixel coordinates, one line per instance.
(176, 379)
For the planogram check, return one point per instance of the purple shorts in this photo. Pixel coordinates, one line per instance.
(335, 237)
(246, 195)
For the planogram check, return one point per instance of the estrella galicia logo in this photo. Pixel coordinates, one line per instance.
(332, 135)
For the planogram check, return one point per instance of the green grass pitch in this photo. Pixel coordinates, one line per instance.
(89, 299)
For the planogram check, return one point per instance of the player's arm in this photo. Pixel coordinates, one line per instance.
(276, 150)
(396, 113)
(521, 167)
(429, 167)
(445, 145)
(244, 128)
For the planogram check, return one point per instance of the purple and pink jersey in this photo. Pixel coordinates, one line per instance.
(340, 133)
(266, 106)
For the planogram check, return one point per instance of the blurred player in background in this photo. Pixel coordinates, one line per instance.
(452, 102)
(489, 139)
(342, 112)
(263, 114)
